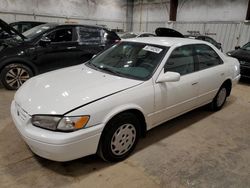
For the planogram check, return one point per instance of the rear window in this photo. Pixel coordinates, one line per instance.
(88, 35)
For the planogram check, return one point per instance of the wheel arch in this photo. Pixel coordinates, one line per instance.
(228, 84)
(134, 109)
(21, 61)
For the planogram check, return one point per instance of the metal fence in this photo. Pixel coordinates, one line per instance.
(229, 34)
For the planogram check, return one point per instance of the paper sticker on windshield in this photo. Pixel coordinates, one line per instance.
(152, 49)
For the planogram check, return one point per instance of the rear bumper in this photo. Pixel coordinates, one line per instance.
(57, 146)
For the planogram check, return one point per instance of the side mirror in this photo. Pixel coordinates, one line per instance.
(237, 47)
(45, 41)
(169, 77)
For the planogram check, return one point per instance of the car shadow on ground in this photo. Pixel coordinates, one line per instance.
(91, 163)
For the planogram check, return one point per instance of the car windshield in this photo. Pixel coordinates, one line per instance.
(128, 35)
(246, 46)
(130, 59)
(36, 31)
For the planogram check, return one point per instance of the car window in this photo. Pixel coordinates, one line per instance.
(25, 27)
(206, 56)
(15, 27)
(36, 31)
(61, 35)
(88, 35)
(210, 40)
(181, 60)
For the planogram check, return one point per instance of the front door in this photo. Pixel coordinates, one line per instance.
(61, 52)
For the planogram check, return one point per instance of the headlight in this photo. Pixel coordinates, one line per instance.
(73, 123)
(60, 123)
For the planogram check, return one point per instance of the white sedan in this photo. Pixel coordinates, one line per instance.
(106, 104)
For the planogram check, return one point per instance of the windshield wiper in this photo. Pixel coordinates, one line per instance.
(110, 70)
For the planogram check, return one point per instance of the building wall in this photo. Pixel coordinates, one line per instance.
(104, 12)
(212, 10)
(149, 14)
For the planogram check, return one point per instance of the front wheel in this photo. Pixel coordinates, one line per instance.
(219, 99)
(119, 137)
(14, 75)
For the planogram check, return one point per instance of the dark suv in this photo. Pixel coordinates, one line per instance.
(48, 47)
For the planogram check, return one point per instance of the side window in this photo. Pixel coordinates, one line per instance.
(88, 35)
(181, 60)
(206, 56)
(61, 35)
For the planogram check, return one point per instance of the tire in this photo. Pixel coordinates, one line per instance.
(220, 99)
(119, 137)
(14, 75)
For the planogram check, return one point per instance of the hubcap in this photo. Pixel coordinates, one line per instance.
(15, 77)
(123, 139)
(221, 97)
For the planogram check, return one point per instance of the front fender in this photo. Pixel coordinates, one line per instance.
(121, 109)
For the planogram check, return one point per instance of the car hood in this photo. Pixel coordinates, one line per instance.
(63, 90)
(9, 29)
(241, 54)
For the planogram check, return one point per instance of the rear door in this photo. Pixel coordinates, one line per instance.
(212, 72)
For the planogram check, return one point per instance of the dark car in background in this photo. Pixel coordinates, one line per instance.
(206, 38)
(48, 47)
(21, 27)
(243, 55)
(129, 35)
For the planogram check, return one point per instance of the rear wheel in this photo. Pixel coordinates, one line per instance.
(14, 75)
(119, 137)
(219, 99)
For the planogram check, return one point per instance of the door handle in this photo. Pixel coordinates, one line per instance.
(222, 74)
(71, 47)
(195, 83)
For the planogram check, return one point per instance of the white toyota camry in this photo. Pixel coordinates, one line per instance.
(106, 104)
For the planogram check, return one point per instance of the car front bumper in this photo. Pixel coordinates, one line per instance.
(56, 146)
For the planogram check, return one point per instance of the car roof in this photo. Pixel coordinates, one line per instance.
(166, 41)
(20, 22)
(77, 24)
